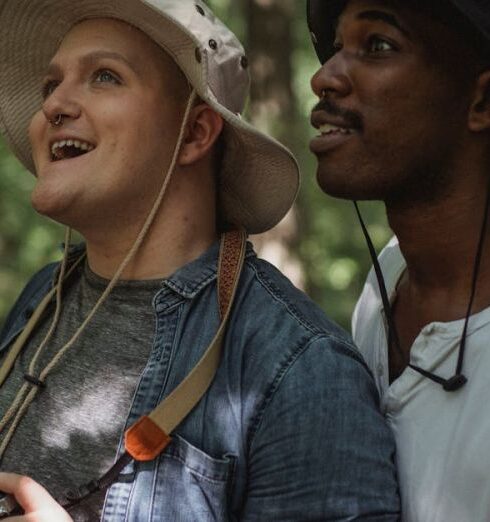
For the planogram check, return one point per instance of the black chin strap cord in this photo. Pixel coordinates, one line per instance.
(392, 331)
(458, 380)
(476, 271)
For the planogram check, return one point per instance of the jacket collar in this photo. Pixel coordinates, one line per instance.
(190, 279)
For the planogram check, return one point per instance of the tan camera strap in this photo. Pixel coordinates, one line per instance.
(149, 436)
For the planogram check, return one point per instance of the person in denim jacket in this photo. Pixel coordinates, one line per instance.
(289, 428)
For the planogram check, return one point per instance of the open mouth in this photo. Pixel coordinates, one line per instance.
(68, 149)
(330, 137)
(328, 129)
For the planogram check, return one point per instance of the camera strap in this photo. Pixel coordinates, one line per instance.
(150, 435)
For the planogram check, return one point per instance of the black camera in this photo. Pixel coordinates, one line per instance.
(8, 506)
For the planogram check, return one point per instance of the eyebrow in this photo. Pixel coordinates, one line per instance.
(91, 58)
(383, 16)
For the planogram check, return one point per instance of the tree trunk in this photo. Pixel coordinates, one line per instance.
(270, 44)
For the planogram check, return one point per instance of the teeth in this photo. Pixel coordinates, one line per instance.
(327, 128)
(82, 145)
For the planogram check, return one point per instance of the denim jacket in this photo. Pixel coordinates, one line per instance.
(288, 431)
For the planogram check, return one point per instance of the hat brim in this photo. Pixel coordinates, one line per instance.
(259, 179)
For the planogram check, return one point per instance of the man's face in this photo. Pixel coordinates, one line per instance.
(117, 93)
(393, 106)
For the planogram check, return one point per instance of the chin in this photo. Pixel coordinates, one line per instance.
(51, 203)
(352, 182)
(339, 185)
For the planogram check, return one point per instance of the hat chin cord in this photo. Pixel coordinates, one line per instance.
(458, 380)
(31, 387)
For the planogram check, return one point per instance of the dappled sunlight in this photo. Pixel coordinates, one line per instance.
(342, 272)
(79, 420)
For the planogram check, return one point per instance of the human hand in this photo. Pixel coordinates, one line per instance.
(38, 505)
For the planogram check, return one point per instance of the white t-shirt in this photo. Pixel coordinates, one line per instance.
(443, 438)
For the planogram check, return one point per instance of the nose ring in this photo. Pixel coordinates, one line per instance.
(323, 93)
(58, 121)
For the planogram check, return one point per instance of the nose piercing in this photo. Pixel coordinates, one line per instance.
(323, 93)
(58, 120)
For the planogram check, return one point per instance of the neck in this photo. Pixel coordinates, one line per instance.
(183, 229)
(158, 257)
(439, 242)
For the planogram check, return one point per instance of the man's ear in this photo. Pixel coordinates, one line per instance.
(203, 128)
(479, 115)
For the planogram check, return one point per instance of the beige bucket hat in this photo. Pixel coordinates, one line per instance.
(259, 179)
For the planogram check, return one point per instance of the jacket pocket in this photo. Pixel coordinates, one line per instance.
(190, 486)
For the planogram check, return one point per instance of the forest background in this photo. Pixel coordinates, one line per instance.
(319, 245)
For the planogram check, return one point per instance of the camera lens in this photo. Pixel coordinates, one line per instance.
(8, 505)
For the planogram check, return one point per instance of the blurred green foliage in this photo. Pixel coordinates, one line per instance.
(329, 245)
(27, 241)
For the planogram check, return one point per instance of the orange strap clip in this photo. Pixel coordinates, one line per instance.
(144, 440)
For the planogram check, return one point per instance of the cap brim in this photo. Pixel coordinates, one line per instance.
(322, 16)
(478, 14)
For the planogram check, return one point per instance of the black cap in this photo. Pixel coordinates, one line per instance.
(322, 15)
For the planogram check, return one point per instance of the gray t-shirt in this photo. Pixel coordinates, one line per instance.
(71, 431)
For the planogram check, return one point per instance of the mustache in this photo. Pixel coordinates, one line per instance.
(352, 119)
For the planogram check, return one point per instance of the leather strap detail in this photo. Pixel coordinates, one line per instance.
(144, 441)
(74, 497)
(227, 269)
